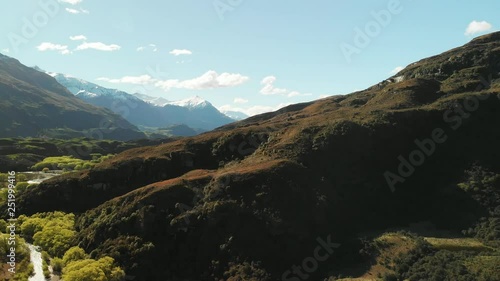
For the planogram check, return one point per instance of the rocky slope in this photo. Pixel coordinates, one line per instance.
(251, 199)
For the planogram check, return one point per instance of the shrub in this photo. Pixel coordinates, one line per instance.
(74, 254)
(3, 226)
(21, 177)
(57, 265)
(103, 269)
(22, 186)
(45, 256)
(32, 226)
(45, 268)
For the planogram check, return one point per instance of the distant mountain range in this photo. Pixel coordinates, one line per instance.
(236, 115)
(35, 104)
(159, 101)
(146, 111)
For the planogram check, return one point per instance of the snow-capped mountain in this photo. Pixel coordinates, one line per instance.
(85, 89)
(192, 103)
(236, 115)
(158, 101)
(146, 111)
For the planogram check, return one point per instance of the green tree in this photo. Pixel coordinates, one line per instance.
(31, 226)
(22, 186)
(83, 270)
(3, 226)
(21, 177)
(113, 273)
(54, 239)
(57, 264)
(54, 232)
(103, 269)
(74, 254)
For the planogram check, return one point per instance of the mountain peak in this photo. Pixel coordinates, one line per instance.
(38, 69)
(193, 102)
(156, 101)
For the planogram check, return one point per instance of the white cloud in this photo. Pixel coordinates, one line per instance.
(476, 27)
(178, 52)
(269, 88)
(75, 11)
(72, 2)
(396, 70)
(210, 80)
(240, 101)
(183, 61)
(294, 94)
(152, 47)
(6, 50)
(72, 11)
(98, 46)
(324, 96)
(78, 38)
(137, 80)
(47, 46)
(253, 110)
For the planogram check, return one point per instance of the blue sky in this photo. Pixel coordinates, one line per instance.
(248, 55)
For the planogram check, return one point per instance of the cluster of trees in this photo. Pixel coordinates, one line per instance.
(21, 186)
(484, 186)
(4, 179)
(24, 269)
(69, 163)
(76, 265)
(55, 233)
